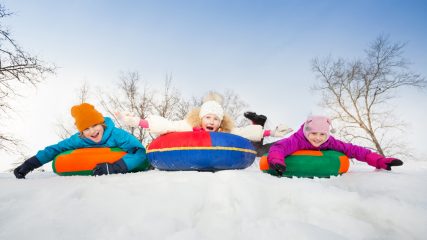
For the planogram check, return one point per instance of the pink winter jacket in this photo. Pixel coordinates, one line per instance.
(297, 141)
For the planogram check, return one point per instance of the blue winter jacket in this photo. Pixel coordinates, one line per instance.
(113, 137)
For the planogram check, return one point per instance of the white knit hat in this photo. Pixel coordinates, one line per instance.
(211, 107)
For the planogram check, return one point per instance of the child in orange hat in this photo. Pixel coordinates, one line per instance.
(95, 130)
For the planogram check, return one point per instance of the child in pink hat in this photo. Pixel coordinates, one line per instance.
(314, 134)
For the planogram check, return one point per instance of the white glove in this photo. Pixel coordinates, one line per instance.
(128, 119)
(280, 131)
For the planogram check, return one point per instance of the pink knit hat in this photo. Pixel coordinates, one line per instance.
(320, 124)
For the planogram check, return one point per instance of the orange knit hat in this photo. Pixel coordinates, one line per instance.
(85, 116)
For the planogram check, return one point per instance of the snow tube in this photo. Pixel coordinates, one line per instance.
(201, 151)
(82, 161)
(308, 163)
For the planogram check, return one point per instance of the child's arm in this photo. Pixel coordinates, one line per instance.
(46, 155)
(135, 151)
(381, 162)
(161, 125)
(154, 124)
(279, 131)
(50, 152)
(256, 133)
(279, 151)
(364, 155)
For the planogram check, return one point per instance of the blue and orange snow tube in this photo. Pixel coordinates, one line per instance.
(82, 161)
(308, 163)
(200, 151)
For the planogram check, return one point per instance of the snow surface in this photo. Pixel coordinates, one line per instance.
(239, 204)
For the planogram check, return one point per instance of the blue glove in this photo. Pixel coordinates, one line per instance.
(110, 168)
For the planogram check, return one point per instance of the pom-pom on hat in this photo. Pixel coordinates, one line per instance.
(211, 107)
(85, 116)
(213, 96)
(320, 124)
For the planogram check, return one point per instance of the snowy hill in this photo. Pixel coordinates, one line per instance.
(242, 204)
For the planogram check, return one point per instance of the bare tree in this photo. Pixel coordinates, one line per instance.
(84, 92)
(170, 105)
(64, 128)
(17, 69)
(234, 106)
(182, 108)
(359, 93)
(130, 98)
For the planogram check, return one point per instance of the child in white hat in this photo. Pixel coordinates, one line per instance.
(209, 117)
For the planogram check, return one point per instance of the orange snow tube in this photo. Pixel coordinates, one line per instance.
(82, 161)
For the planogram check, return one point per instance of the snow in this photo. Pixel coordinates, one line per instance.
(240, 204)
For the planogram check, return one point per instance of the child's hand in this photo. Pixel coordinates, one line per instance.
(128, 119)
(278, 165)
(26, 167)
(387, 163)
(110, 168)
(381, 162)
(280, 131)
(279, 168)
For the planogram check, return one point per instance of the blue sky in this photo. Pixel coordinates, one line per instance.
(259, 49)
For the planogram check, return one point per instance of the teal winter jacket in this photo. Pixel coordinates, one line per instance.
(113, 137)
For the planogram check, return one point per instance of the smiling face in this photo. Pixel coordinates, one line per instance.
(94, 133)
(211, 122)
(317, 138)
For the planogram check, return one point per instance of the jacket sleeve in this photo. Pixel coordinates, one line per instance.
(161, 125)
(283, 148)
(352, 151)
(254, 133)
(135, 151)
(50, 152)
